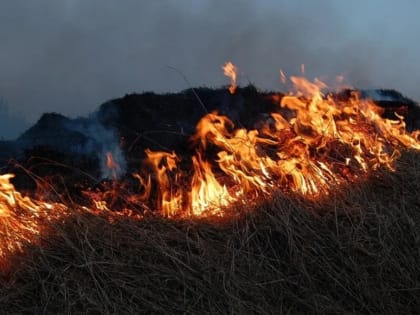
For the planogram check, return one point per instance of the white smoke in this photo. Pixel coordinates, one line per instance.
(101, 141)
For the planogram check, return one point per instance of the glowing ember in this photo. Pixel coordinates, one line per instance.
(231, 71)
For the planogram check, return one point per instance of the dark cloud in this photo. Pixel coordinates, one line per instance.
(69, 56)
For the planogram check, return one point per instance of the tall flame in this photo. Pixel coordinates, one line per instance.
(207, 194)
(164, 166)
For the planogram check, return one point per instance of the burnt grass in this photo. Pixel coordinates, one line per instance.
(357, 251)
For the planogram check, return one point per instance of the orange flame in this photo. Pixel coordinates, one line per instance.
(112, 165)
(22, 220)
(326, 142)
(231, 71)
(110, 162)
(164, 165)
(207, 195)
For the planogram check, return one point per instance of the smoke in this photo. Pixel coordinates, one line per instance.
(100, 141)
(70, 56)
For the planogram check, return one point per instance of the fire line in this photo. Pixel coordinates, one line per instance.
(327, 142)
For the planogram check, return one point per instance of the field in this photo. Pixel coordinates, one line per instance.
(355, 252)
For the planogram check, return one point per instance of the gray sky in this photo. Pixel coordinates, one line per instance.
(69, 56)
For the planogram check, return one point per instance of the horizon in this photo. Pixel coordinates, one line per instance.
(70, 57)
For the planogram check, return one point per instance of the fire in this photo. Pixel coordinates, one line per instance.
(231, 71)
(324, 143)
(23, 220)
(328, 142)
(112, 165)
(164, 165)
(207, 194)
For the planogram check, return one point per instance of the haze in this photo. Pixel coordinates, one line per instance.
(70, 56)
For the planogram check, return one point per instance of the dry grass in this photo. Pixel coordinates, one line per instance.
(357, 252)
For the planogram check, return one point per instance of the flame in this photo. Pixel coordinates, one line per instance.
(164, 165)
(207, 194)
(112, 165)
(231, 71)
(22, 220)
(325, 143)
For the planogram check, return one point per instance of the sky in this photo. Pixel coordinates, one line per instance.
(70, 56)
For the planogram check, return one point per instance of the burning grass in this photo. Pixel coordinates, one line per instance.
(356, 251)
(301, 213)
